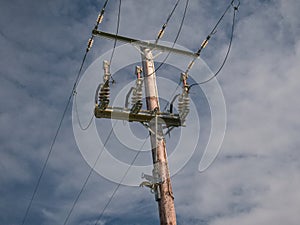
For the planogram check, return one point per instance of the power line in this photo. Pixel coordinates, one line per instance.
(227, 53)
(162, 30)
(119, 184)
(82, 128)
(110, 61)
(205, 42)
(89, 175)
(90, 43)
(77, 116)
(167, 104)
(176, 38)
(117, 32)
(101, 14)
(54, 140)
(214, 30)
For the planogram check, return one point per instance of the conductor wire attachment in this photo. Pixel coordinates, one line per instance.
(103, 90)
(184, 98)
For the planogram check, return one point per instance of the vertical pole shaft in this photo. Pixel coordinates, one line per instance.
(164, 194)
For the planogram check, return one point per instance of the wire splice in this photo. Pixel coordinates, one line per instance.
(160, 34)
(101, 15)
(203, 45)
(100, 18)
(162, 30)
(90, 44)
(213, 31)
(227, 53)
(176, 38)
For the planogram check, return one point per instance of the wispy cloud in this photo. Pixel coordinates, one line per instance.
(255, 179)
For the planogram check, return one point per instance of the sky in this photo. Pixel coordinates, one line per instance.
(255, 178)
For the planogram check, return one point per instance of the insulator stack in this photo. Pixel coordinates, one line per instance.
(104, 96)
(137, 95)
(104, 92)
(183, 105)
(180, 104)
(184, 99)
(104, 89)
(186, 103)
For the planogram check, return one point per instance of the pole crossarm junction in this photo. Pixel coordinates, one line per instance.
(145, 44)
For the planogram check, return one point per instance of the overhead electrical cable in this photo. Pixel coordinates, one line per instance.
(119, 184)
(73, 91)
(213, 31)
(167, 104)
(162, 30)
(77, 116)
(100, 17)
(227, 53)
(54, 139)
(176, 38)
(115, 41)
(89, 174)
(110, 133)
(205, 42)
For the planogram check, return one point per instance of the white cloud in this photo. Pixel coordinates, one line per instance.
(255, 179)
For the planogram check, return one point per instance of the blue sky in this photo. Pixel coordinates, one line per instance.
(254, 180)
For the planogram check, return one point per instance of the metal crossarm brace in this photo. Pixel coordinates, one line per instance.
(145, 44)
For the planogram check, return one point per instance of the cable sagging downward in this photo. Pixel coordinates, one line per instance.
(162, 30)
(227, 53)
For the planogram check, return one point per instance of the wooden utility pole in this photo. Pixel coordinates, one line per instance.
(163, 187)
